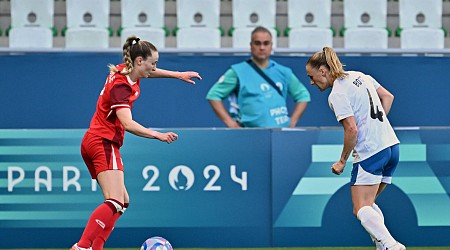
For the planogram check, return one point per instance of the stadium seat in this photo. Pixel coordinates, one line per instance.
(310, 38)
(365, 13)
(420, 14)
(309, 24)
(417, 21)
(198, 38)
(365, 21)
(248, 14)
(31, 24)
(242, 37)
(87, 24)
(87, 38)
(30, 37)
(366, 38)
(252, 13)
(145, 19)
(156, 36)
(198, 24)
(422, 38)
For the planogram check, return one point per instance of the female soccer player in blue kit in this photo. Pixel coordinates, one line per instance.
(361, 105)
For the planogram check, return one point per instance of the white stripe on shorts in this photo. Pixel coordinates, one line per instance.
(365, 178)
(114, 160)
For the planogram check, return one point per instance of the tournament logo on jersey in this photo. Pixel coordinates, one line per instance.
(279, 85)
(264, 87)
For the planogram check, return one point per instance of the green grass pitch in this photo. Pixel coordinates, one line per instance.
(275, 248)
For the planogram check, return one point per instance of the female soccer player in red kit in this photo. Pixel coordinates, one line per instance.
(101, 143)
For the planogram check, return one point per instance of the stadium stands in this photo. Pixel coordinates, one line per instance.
(282, 22)
(365, 24)
(421, 24)
(145, 19)
(247, 14)
(31, 20)
(198, 24)
(309, 24)
(87, 24)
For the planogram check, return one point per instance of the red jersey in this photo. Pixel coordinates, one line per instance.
(119, 92)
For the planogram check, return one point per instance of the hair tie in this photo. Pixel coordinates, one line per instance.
(136, 40)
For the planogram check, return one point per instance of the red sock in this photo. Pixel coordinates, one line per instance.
(100, 219)
(100, 240)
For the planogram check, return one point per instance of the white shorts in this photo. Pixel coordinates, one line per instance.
(376, 169)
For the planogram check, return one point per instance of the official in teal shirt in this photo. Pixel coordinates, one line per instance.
(254, 102)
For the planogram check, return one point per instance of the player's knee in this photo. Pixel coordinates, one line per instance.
(355, 211)
(358, 209)
(361, 211)
(118, 206)
(125, 206)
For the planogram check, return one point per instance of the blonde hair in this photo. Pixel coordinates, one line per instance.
(328, 58)
(133, 48)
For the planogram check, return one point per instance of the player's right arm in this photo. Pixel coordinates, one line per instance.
(350, 137)
(126, 119)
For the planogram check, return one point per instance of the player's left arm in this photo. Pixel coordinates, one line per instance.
(126, 119)
(386, 98)
(350, 137)
(186, 76)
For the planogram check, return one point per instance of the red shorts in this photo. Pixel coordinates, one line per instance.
(100, 154)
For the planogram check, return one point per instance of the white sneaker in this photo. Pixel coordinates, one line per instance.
(379, 245)
(76, 247)
(398, 246)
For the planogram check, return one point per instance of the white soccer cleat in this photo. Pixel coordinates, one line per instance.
(398, 246)
(379, 245)
(76, 247)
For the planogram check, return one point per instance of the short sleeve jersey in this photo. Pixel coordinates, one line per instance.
(228, 83)
(355, 95)
(119, 92)
(257, 104)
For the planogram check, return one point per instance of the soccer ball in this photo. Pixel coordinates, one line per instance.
(156, 243)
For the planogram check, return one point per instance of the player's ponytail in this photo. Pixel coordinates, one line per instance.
(328, 58)
(132, 48)
(335, 65)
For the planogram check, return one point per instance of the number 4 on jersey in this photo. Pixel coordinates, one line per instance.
(374, 114)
